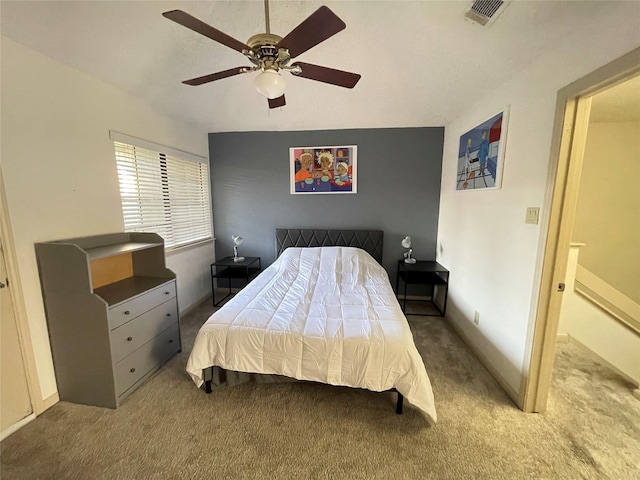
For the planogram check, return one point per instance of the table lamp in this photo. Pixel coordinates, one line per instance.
(237, 240)
(406, 243)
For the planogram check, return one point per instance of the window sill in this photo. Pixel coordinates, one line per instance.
(181, 248)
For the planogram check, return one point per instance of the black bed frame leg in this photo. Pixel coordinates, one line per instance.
(399, 404)
(207, 383)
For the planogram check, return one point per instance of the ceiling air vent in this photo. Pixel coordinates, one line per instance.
(485, 11)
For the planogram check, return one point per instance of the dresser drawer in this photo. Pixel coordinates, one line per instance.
(126, 311)
(135, 366)
(132, 335)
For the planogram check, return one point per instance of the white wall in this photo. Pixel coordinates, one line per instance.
(494, 257)
(60, 174)
(608, 211)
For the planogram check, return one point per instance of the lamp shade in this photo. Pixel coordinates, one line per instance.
(406, 242)
(270, 84)
(237, 239)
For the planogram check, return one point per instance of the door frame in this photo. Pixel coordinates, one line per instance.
(38, 404)
(17, 404)
(567, 144)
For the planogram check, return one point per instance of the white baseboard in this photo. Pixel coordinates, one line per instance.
(195, 304)
(47, 403)
(17, 426)
(487, 364)
(605, 362)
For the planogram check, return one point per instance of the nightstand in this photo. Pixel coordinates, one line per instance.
(245, 270)
(424, 273)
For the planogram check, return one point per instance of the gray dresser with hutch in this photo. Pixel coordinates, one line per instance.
(112, 313)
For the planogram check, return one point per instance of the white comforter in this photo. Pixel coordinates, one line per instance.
(324, 314)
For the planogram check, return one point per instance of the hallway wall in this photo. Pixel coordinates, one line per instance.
(608, 211)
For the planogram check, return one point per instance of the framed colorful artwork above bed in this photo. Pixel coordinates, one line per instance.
(329, 169)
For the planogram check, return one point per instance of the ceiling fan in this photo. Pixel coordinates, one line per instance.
(271, 53)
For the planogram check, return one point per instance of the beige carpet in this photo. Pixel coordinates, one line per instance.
(168, 429)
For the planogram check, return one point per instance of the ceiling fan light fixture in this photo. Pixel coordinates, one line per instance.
(272, 53)
(270, 84)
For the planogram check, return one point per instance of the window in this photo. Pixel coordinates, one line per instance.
(163, 193)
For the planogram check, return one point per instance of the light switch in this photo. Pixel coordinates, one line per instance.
(532, 215)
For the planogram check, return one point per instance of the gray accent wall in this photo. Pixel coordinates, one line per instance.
(398, 187)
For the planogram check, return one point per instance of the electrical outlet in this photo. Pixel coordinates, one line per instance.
(476, 318)
(533, 213)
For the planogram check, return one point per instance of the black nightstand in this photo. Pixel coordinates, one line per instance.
(226, 268)
(424, 273)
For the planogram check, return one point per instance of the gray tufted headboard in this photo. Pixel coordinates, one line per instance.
(368, 240)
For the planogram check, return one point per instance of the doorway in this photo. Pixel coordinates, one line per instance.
(15, 401)
(17, 361)
(600, 312)
(568, 144)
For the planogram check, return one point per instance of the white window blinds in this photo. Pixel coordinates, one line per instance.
(163, 194)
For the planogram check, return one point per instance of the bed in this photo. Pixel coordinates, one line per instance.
(324, 311)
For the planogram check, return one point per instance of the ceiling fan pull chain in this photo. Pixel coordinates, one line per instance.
(266, 15)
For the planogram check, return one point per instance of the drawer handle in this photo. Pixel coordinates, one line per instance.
(129, 339)
(171, 341)
(127, 312)
(132, 370)
(167, 293)
(168, 314)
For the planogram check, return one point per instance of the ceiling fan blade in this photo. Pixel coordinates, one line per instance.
(327, 75)
(319, 26)
(199, 26)
(276, 102)
(216, 76)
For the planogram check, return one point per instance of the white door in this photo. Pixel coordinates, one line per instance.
(15, 403)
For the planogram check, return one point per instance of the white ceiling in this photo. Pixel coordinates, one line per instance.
(421, 62)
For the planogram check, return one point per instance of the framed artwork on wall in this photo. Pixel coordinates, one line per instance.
(323, 169)
(481, 154)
